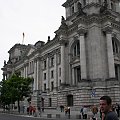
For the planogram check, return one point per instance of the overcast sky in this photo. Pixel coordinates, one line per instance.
(38, 19)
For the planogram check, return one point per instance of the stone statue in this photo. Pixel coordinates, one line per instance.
(104, 7)
(62, 19)
(63, 24)
(4, 62)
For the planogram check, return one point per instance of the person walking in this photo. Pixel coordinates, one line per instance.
(117, 107)
(94, 110)
(84, 112)
(106, 109)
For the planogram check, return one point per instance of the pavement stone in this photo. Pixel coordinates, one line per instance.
(55, 114)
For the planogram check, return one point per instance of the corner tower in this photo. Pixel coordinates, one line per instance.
(95, 24)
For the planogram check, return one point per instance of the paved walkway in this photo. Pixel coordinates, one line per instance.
(57, 114)
(54, 114)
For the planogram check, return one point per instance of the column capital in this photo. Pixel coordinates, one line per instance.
(107, 29)
(63, 42)
(81, 31)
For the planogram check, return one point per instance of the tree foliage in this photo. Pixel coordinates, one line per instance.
(14, 89)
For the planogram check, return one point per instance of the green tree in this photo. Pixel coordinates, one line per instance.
(14, 88)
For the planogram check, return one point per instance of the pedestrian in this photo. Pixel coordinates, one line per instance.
(66, 110)
(106, 109)
(34, 110)
(62, 108)
(84, 112)
(117, 107)
(69, 112)
(113, 108)
(81, 111)
(94, 110)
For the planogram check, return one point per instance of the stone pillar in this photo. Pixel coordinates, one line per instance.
(110, 55)
(35, 74)
(73, 76)
(75, 7)
(67, 12)
(55, 72)
(24, 72)
(117, 7)
(109, 4)
(27, 71)
(81, 32)
(62, 63)
(47, 75)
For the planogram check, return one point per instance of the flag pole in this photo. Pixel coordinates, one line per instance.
(23, 38)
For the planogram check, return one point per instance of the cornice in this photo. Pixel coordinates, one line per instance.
(94, 18)
(116, 26)
(49, 44)
(107, 17)
(50, 54)
(72, 29)
(82, 30)
(81, 19)
(92, 4)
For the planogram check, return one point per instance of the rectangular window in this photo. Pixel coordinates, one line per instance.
(59, 59)
(50, 102)
(60, 82)
(59, 72)
(52, 86)
(44, 86)
(44, 76)
(45, 64)
(52, 61)
(52, 74)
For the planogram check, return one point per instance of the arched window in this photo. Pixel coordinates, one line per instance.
(115, 47)
(72, 9)
(113, 7)
(117, 71)
(76, 49)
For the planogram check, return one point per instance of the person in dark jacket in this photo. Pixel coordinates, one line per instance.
(106, 109)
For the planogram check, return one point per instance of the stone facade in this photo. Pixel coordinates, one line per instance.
(81, 63)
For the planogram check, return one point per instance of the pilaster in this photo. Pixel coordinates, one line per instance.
(110, 55)
(35, 75)
(55, 71)
(63, 61)
(81, 32)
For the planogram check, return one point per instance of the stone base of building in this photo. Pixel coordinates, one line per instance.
(87, 92)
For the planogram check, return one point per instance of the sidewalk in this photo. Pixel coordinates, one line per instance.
(51, 113)
(55, 114)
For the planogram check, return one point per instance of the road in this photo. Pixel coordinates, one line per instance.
(17, 117)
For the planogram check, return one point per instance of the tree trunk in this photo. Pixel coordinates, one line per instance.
(18, 105)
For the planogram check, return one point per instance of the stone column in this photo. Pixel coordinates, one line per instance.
(67, 12)
(55, 71)
(27, 70)
(73, 76)
(62, 62)
(109, 4)
(75, 7)
(47, 75)
(24, 71)
(81, 32)
(35, 74)
(117, 7)
(110, 55)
